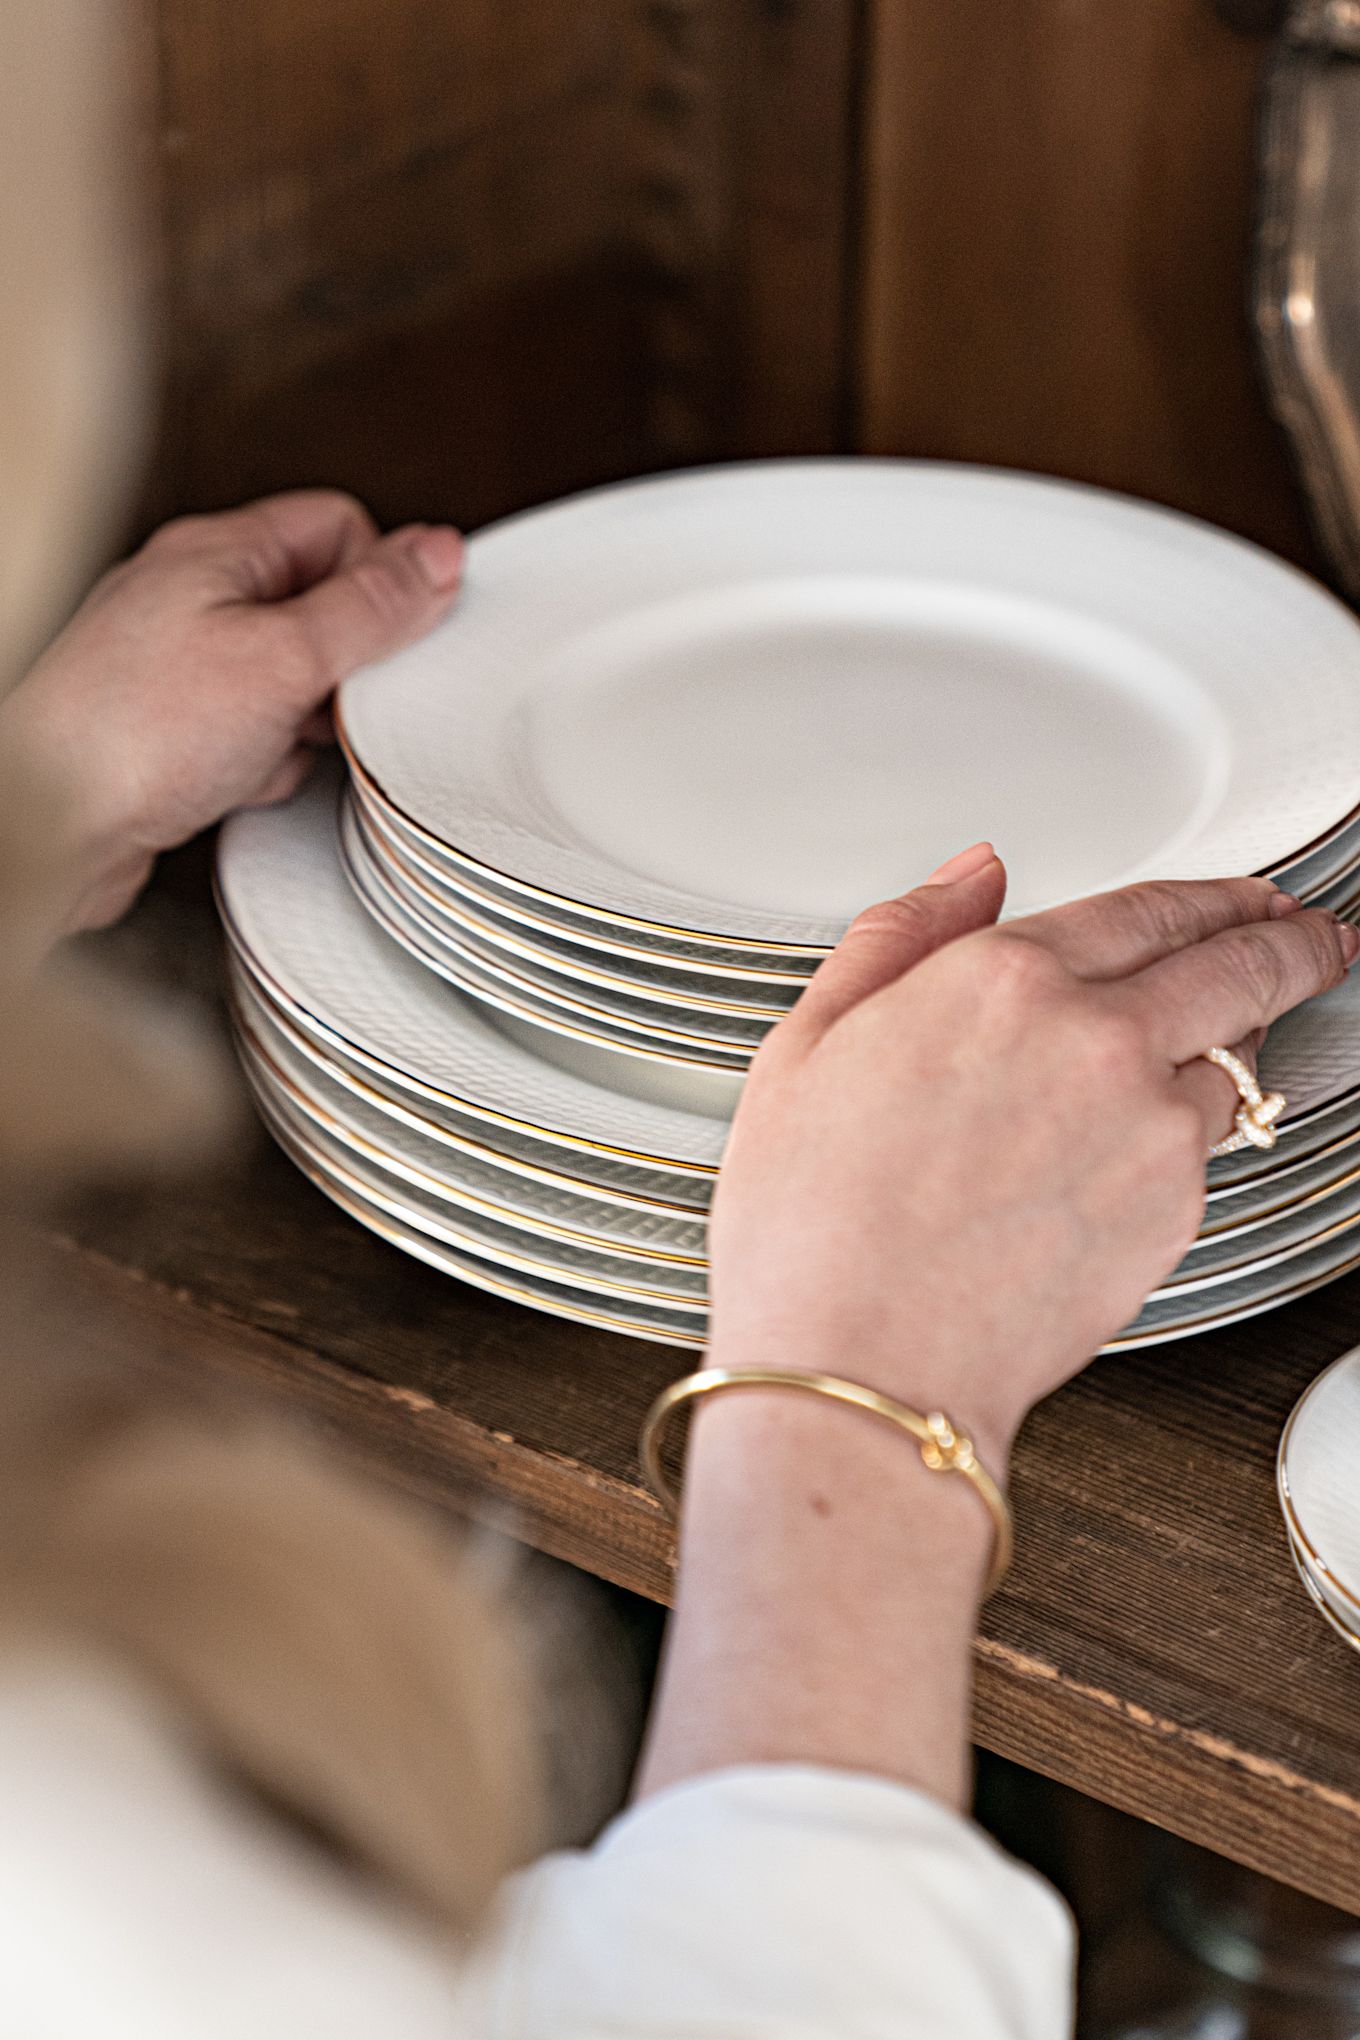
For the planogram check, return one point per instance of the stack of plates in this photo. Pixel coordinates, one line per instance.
(1315, 1476)
(496, 993)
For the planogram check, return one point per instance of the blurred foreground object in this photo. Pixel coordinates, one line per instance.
(70, 356)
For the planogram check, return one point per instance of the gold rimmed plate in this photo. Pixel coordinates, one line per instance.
(292, 917)
(734, 705)
(573, 1216)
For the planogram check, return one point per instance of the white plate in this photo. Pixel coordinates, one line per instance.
(418, 1234)
(1173, 1316)
(482, 895)
(290, 911)
(1232, 1205)
(634, 1320)
(1316, 1477)
(418, 1155)
(676, 1289)
(415, 1154)
(746, 702)
(719, 1068)
(1270, 1242)
(1334, 1612)
(1329, 876)
(294, 918)
(429, 898)
(1323, 863)
(665, 1022)
(661, 1192)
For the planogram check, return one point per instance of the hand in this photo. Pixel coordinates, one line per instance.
(196, 677)
(958, 1167)
(969, 1153)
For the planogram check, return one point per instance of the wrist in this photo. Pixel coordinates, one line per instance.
(923, 1374)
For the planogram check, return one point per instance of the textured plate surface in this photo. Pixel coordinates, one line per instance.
(637, 1321)
(669, 1022)
(429, 897)
(603, 1274)
(746, 702)
(453, 1175)
(661, 1192)
(1319, 1492)
(289, 906)
(709, 1071)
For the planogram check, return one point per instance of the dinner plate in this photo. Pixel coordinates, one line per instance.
(675, 1288)
(741, 704)
(427, 898)
(480, 894)
(663, 1192)
(715, 1065)
(1315, 1480)
(292, 915)
(569, 1212)
(386, 1213)
(294, 919)
(1172, 1316)
(1229, 1206)
(636, 1320)
(667, 1021)
(1317, 1594)
(1328, 876)
(420, 1157)
(416, 1155)
(1323, 866)
(1270, 1244)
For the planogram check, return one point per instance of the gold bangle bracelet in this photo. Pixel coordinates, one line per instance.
(942, 1448)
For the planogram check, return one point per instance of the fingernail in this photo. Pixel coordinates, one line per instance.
(1282, 903)
(963, 866)
(1349, 939)
(439, 553)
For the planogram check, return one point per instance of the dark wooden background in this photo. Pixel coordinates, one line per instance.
(461, 255)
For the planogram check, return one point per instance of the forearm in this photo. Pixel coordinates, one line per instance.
(829, 1586)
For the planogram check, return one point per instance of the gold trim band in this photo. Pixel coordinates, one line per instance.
(942, 1448)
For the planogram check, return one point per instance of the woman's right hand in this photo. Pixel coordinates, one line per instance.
(969, 1153)
(959, 1166)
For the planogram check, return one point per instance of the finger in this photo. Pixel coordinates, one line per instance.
(889, 938)
(1212, 1091)
(1114, 933)
(269, 550)
(1221, 989)
(284, 781)
(393, 594)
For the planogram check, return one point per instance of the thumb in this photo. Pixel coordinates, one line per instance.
(887, 940)
(392, 594)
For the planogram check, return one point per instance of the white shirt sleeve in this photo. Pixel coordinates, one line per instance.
(142, 1900)
(779, 1903)
(139, 1901)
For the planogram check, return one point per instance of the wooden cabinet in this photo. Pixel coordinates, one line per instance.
(462, 256)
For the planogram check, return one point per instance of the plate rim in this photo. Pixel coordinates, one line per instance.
(826, 464)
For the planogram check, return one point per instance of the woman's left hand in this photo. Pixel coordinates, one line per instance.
(196, 677)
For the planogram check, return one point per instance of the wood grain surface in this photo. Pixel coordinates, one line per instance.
(1057, 212)
(461, 259)
(1152, 1646)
